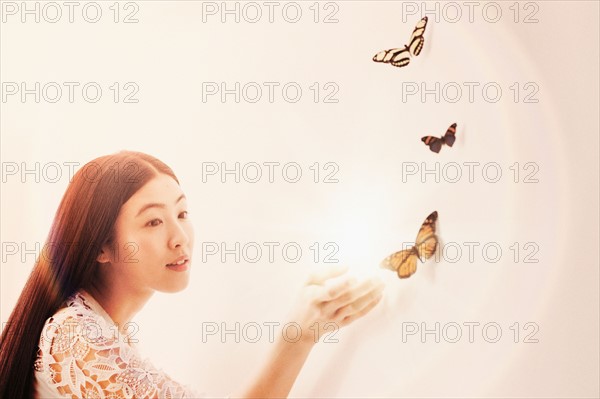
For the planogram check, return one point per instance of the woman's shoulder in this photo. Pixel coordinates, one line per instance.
(74, 308)
(75, 318)
(77, 335)
(80, 356)
(73, 305)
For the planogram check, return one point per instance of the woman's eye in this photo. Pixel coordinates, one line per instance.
(156, 222)
(152, 224)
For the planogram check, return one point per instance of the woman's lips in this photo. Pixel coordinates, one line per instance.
(179, 259)
(180, 268)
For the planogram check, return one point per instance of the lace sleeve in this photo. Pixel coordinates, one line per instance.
(78, 361)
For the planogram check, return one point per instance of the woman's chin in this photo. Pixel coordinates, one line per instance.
(175, 286)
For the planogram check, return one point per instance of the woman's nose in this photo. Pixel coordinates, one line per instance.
(179, 236)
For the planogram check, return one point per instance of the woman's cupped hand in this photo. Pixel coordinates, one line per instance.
(331, 299)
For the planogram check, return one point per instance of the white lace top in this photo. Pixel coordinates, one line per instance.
(81, 355)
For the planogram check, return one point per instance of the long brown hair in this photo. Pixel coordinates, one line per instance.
(83, 222)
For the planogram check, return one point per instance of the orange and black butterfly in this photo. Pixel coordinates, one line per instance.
(435, 143)
(400, 57)
(405, 262)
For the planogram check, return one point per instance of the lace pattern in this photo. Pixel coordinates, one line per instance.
(80, 356)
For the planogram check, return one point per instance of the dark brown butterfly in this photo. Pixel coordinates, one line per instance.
(435, 143)
(400, 57)
(405, 262)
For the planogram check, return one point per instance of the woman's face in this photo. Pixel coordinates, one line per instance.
(151, 231)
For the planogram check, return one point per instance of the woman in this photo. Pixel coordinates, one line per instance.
(121, 233)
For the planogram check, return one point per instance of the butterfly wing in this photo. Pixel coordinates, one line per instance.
(398, 57)
(402, 58)
(426, 242)
(404, 262)
(450, 137)
(391, 55)
(434, 143)
(416, 45)
(416, 39)
(409, 267)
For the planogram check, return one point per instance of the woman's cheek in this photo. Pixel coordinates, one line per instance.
(191, 235)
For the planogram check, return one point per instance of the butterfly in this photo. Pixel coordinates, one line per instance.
(405, 262)
(400, 57)
(435, 143)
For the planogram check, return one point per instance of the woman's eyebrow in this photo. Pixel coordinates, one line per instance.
(156, 205)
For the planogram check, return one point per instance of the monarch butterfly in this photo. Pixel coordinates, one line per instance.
(400, 57)
(405, 262)
(435, 143)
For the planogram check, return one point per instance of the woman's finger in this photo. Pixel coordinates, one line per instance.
(337, 287)
(351, 293)
(358, 304)
(349, 319)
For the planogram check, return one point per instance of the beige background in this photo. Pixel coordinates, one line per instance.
(369, 213)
